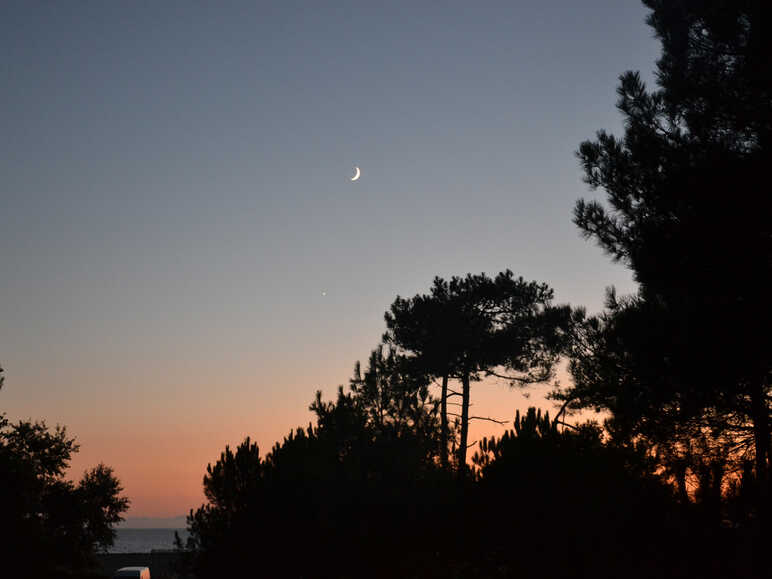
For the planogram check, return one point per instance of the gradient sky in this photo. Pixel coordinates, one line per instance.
(175, 199)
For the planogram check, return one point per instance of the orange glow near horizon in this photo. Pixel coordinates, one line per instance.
(161, 464)
(184, 259)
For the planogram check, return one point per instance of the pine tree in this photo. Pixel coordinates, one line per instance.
(690, 209)
(474, 327)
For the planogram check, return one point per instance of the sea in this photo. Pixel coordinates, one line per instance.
(145, 540)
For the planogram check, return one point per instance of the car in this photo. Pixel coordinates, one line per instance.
(135, 572)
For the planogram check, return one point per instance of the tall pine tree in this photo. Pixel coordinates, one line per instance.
(689, 204)
(473, 327)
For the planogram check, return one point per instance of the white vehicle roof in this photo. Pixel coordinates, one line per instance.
(140, 572)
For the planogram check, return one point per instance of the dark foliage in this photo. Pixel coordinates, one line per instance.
(690, 212)
(52, 526)
(564, 501)
(545, 500)
(352, 489)
(473, 327)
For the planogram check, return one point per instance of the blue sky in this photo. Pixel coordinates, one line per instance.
(175, 199)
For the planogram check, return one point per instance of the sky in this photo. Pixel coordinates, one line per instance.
(183, 258)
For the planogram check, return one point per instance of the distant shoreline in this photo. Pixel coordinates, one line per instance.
(179, 522)
(144, 541)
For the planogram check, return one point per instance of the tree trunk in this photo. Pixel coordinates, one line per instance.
(683, 494)
(464, 423)
(444, 422)
(761, 436)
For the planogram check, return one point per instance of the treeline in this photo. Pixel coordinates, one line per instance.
(675, 482)
(380, 484)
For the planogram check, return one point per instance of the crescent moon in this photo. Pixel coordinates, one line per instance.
(357, 174)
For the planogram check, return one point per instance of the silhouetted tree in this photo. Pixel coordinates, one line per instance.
(54, 525)
(566, 497)
(426, 326)
(357, 482)
(622, 362)
(394, 395)
(472, 327)
(690, 212)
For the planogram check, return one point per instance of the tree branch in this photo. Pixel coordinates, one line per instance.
(502, 422)
(562, 409)
(529, 379)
